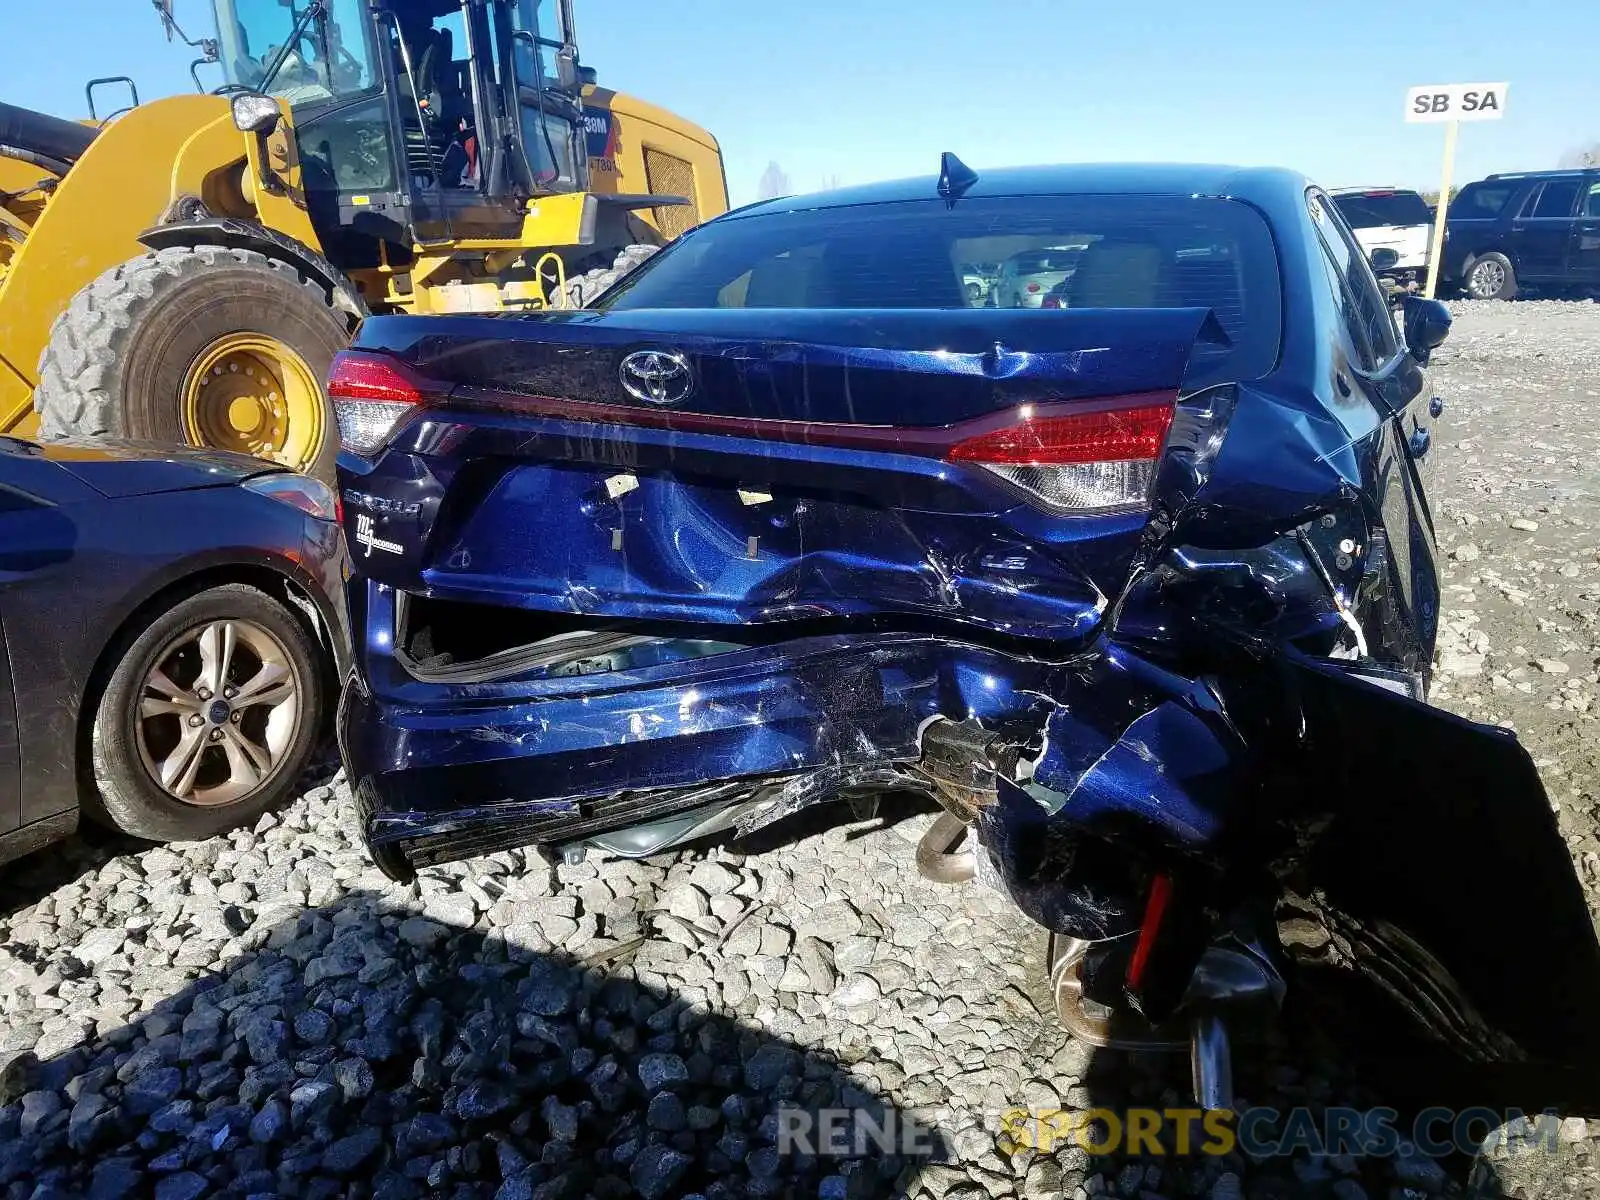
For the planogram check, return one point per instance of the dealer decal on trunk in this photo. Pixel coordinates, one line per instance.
(370, 541)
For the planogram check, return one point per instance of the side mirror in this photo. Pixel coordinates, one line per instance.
(255, 113)
(1384, 259)
(1427, 324)
(568, 77)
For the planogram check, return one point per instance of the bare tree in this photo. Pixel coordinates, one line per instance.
(774, 183)
(829, 182)
(1582, 156)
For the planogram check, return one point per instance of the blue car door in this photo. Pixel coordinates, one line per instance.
(10, 771)
(1374, 364)
(13, 501)
(37, 535)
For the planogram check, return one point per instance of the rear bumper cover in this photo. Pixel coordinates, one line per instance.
(453, 769)
(540, 761)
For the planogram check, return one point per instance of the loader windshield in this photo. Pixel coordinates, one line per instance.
(320, 56)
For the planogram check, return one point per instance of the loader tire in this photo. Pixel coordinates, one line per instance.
(122, 358)
(584, 289)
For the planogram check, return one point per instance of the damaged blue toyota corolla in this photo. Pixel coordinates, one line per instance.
(1140, 587)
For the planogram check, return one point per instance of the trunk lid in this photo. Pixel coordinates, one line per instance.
(755, 466)
(895, 368)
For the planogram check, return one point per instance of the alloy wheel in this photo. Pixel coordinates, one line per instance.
(218, 712)
(1487, 278)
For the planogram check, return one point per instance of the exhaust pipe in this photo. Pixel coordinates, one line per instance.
(1211, 1062)
(41, 137)
(937, 857)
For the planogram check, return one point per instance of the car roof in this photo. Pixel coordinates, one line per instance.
(1162, 179)
(1554, 173)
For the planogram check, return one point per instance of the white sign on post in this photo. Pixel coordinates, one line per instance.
(1449, 104)
(1456, 102)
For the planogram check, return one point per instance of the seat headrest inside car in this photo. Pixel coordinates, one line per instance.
(1117, 274)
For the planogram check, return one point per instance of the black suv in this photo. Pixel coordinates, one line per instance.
(1539, 228)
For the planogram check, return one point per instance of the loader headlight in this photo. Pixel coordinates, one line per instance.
(255, 113)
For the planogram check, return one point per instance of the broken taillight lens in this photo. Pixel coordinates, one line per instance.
(1077, 462)
(371, 394)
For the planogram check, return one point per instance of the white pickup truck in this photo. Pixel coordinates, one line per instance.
(1391, 218)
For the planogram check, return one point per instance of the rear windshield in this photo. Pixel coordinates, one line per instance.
(1481, 200)
(1139, 252)
(1366, 210)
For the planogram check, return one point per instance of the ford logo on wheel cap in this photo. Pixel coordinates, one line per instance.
(657, 376)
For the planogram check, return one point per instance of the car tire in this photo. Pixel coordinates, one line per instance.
(1490, 277)
(130, 744)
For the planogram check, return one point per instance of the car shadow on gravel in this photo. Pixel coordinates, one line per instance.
(359, 1049)
(28, 879)
(1320, 1074)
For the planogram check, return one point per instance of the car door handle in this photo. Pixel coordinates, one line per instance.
(1421, 439)
(1435, 406)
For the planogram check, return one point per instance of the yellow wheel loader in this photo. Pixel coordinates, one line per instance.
(185, 270)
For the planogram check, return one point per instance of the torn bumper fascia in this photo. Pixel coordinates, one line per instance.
(792, 725)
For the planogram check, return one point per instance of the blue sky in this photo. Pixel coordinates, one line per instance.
(870, 89)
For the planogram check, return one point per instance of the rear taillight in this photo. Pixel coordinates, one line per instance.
(1033, 287)
(371, 394)
(1077, 461)
(310, 496)
(1051, 302)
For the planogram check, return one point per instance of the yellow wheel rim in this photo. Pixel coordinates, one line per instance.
(250, 393)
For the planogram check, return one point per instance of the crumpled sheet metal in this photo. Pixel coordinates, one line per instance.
(1127, 741)
(1135, 753)
(837, 705)
(645, 527)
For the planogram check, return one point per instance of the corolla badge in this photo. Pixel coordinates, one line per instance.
(657, 376)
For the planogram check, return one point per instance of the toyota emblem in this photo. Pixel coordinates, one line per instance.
(657, 376)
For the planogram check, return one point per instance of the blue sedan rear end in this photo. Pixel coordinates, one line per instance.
(1140, 588)
(709, 547)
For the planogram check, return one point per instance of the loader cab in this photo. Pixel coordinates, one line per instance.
(415, 120)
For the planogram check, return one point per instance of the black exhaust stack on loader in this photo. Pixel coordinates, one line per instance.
(45, 141)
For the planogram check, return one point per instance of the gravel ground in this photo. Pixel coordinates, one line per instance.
(264, 1014)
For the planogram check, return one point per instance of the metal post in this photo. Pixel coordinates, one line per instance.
(1436, 252)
